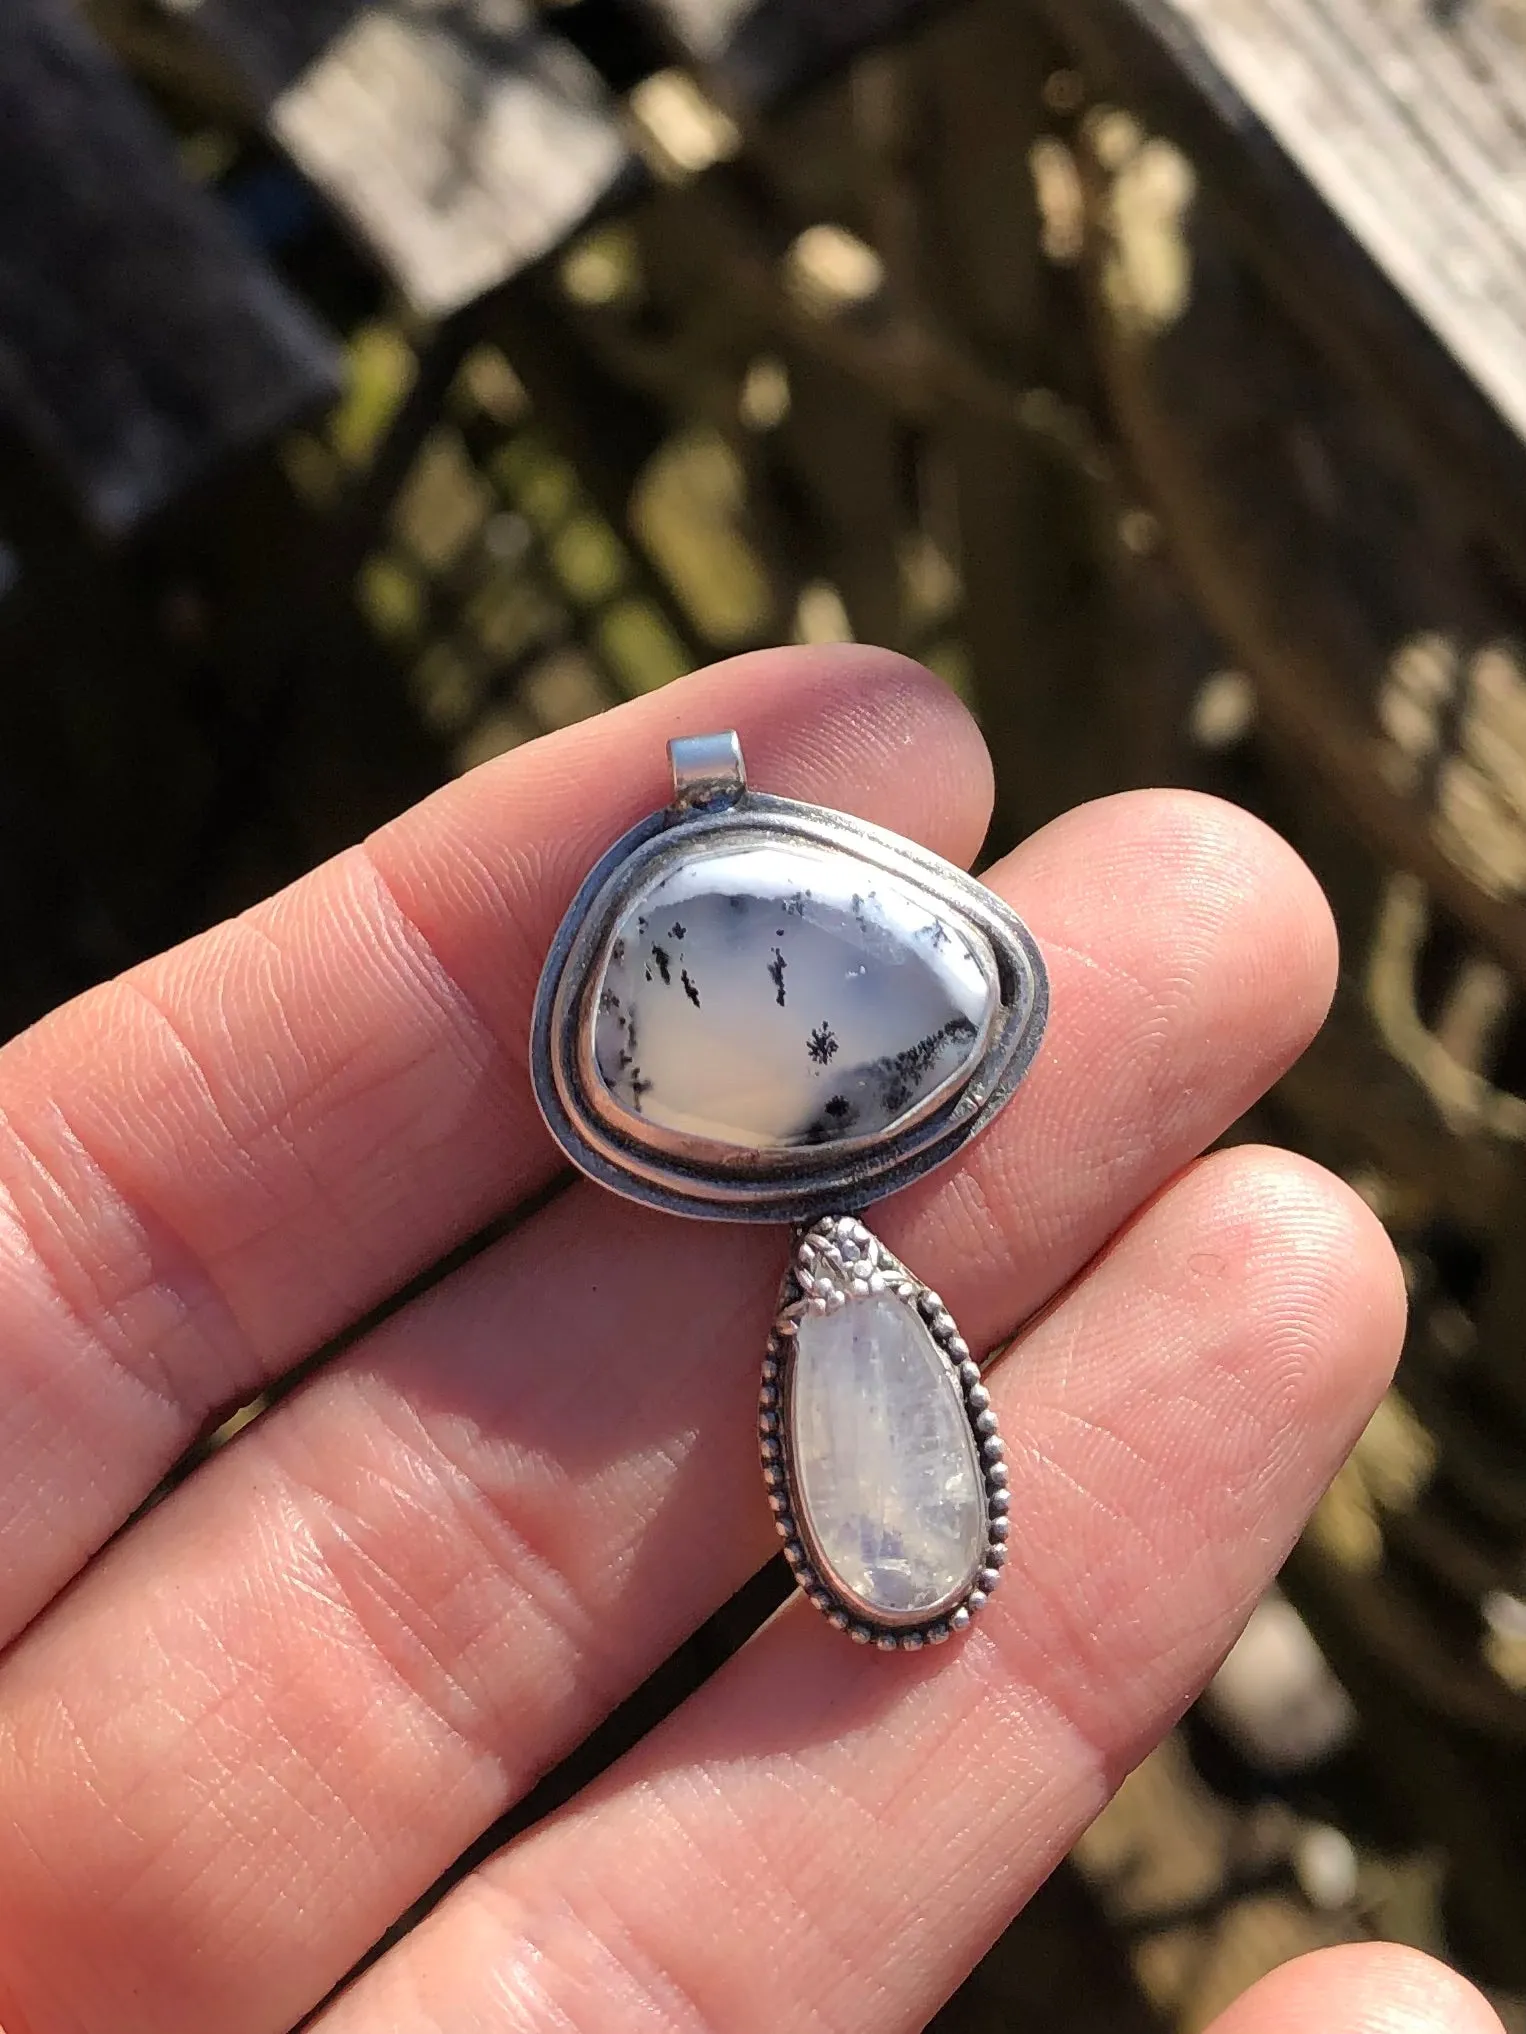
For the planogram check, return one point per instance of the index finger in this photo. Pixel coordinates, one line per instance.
(217, 1162)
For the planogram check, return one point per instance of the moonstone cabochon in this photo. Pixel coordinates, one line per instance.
(771, 995)
(887, 1484)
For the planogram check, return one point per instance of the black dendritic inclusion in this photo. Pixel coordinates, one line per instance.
(776, 969)
(625, 1060)
(902, 1073)
(822, 1044)
(664, 966)
(882, 1088)
(689, 989)
(625, 1024)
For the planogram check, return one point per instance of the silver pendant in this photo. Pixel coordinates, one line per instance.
(760, 1010)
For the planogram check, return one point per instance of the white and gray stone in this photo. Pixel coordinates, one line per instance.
(771, 996)
(886, 1475)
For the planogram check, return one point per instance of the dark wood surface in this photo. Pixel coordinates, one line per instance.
(143, 341)
(464, 142)
(1321, 128)
(1409, 123)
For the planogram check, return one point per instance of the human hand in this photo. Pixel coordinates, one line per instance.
(263, 1720)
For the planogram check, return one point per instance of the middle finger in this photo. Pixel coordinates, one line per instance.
(297, 1692)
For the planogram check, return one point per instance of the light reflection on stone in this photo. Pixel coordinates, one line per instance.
(885, 1467)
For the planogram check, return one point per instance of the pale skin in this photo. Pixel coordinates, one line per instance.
(239, 1741)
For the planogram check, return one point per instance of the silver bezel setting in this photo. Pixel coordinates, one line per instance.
(686, 1177)
(836, 1262)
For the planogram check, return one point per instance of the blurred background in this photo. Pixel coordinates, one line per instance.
(384, 382)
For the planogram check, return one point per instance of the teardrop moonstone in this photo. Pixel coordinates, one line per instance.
(887, 1481)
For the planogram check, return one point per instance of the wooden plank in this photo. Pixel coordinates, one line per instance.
(142, 341)
(1374, 164)
(1418, 151)
(981, 71)
(1038, 609)
(846, 450)
(464, 143)
(1313, 603)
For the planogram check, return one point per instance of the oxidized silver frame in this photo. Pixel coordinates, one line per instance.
(836, 1263)
(683, 1176)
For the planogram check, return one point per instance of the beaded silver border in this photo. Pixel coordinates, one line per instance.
(792, 1186)
(836, 1262)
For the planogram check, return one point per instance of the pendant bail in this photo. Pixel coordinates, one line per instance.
(707, 769)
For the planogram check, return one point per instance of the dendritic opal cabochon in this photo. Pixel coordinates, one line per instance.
(774, 996)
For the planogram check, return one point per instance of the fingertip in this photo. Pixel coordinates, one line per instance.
(1316, 1221)
(1361, 1988)
(1278, 880)
(1306, 1291)
(918, 744)
(1191, 958)
(1212, 873)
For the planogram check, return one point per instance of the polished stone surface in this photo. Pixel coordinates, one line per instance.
(885, 1469)
(769, 996)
